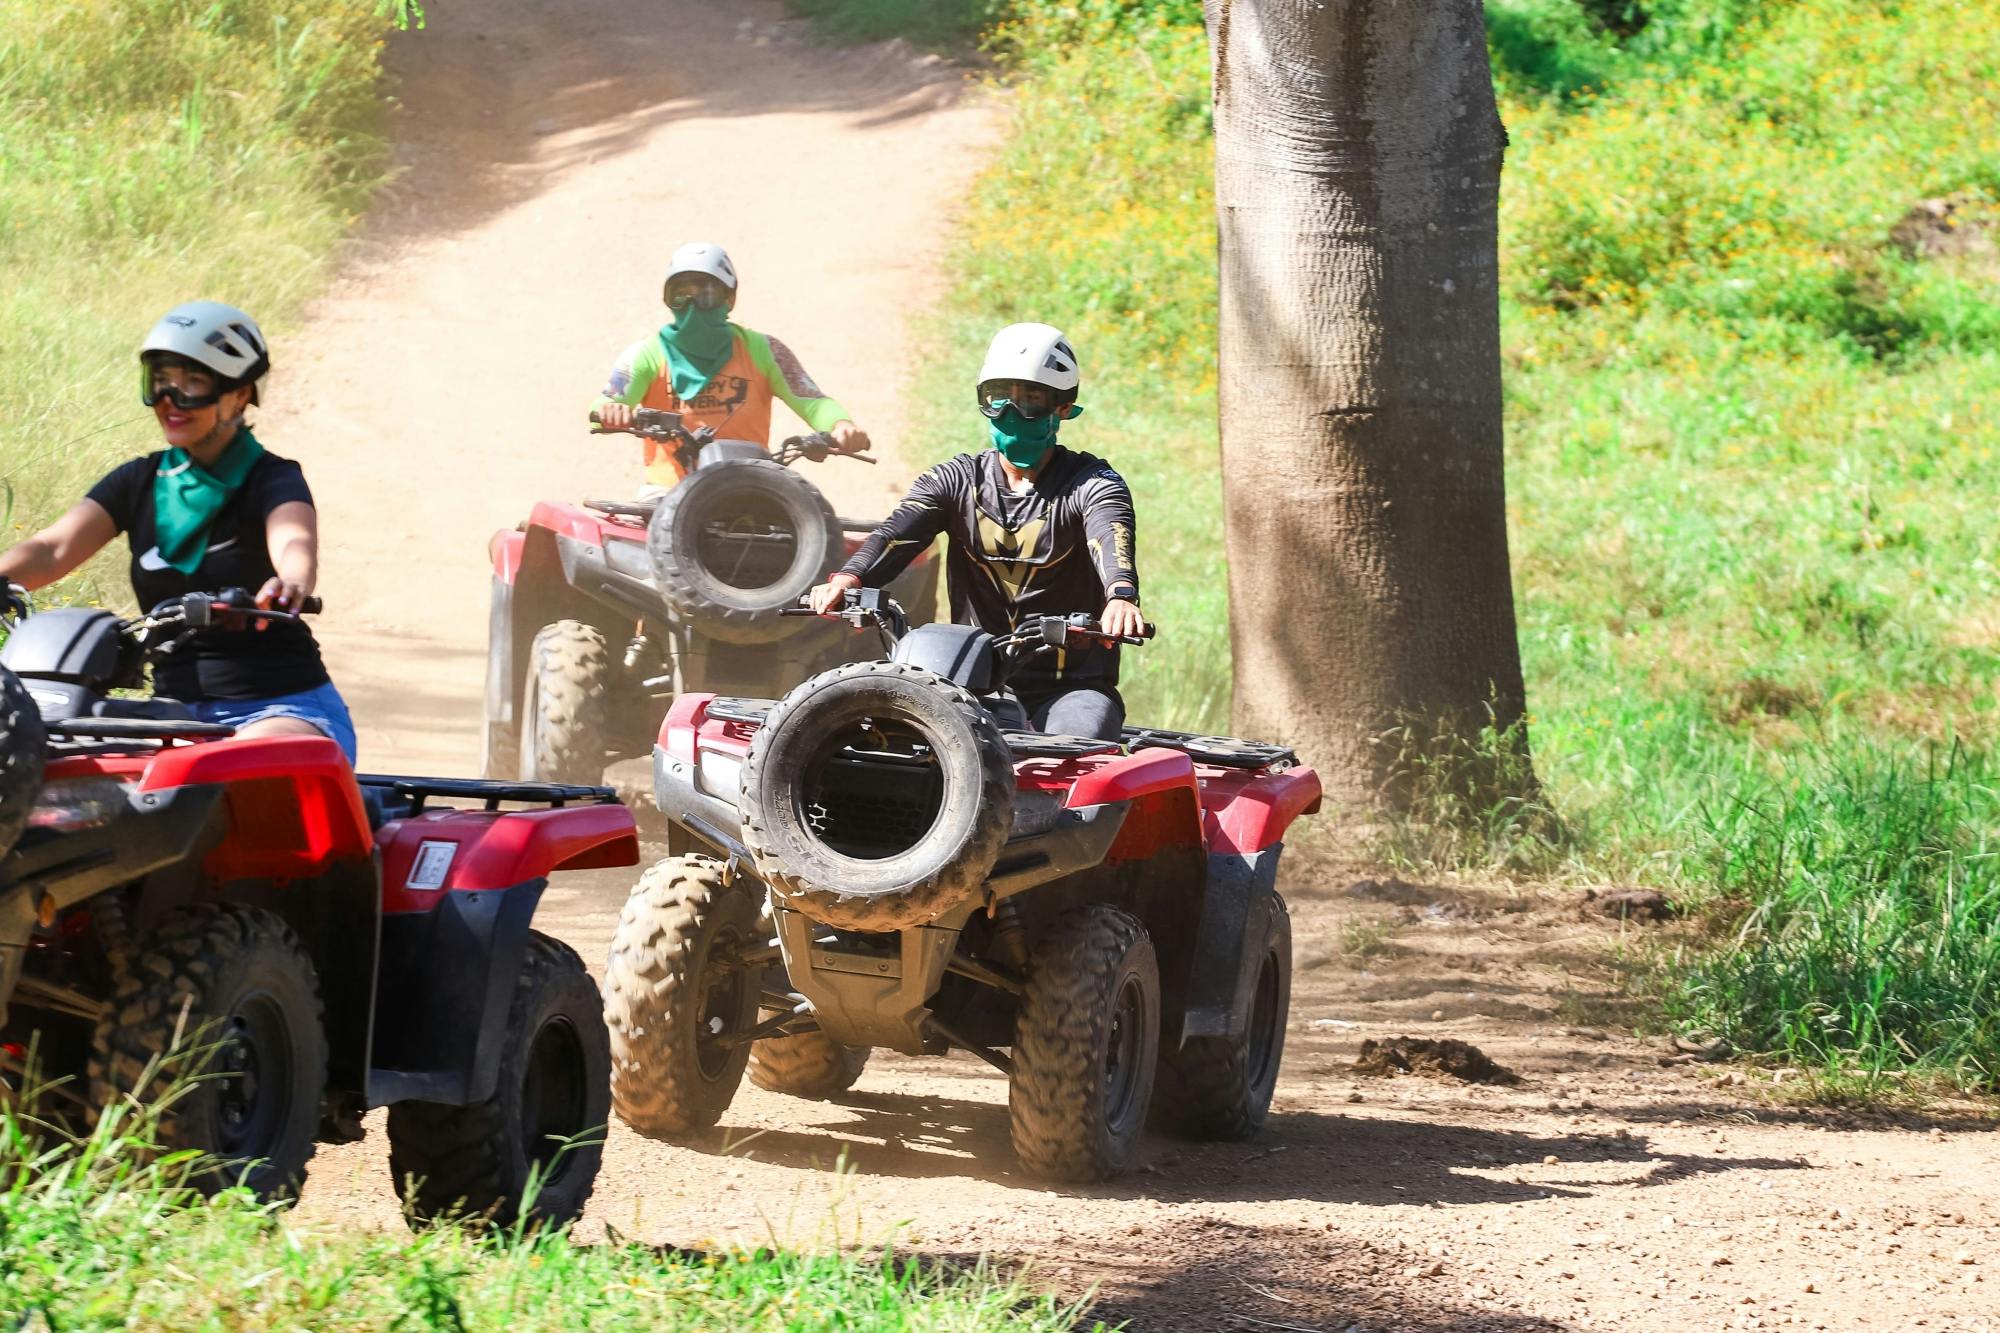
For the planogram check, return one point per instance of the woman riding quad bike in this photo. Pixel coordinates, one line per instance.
(212, 510)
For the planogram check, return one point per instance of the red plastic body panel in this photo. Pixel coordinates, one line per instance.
(1247, 812)
(506, 549)
(499, 850)
(586, 525)
(1173, 801)
(294, 807)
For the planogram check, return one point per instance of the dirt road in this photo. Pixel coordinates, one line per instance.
(553, 155)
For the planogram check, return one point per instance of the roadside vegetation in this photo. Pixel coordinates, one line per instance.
(157, 151)
(1751, 322)
(100, 1234)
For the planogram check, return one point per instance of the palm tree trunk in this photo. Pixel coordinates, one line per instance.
(1357, 179)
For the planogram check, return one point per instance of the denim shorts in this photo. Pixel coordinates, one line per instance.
(320, 706)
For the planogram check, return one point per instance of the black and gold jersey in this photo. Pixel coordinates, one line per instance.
(1063, 545)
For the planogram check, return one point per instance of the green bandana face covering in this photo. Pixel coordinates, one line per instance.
(187, 497)
(698, 344)
(1022, 442)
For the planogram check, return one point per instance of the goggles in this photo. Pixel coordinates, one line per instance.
(696, 289)
(1033, 401)
(184, 385)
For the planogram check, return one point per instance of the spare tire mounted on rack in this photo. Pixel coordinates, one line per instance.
(738, 541)
(876, 797)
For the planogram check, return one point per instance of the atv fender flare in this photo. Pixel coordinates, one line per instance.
(430, 1044)
(1222, 975)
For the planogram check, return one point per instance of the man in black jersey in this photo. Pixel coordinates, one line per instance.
(1036, 530)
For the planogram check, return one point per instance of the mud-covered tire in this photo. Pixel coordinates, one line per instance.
(563, 705)
(1086, 1046)
(734, 591)
(660, 997)
(218, 1017)
(806, 1064)
(1220, 1088)
(943, 868)
(545, 1119)
(22, 739)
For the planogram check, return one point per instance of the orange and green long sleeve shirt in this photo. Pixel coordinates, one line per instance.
(736, 401)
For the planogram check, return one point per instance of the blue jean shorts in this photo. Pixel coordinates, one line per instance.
(321, 707)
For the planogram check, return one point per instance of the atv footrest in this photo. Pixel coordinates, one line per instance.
(416, 790)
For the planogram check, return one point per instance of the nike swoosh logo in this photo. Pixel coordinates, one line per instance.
(152, 560)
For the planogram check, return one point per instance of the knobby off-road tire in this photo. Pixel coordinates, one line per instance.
(217, 1014)
(21, 756)
(1218, 1087)
(546, 1117)
(782, 779)
(709, 581)
(1086, 1044)
(563, 705)
(667, 996)
(806, 1064)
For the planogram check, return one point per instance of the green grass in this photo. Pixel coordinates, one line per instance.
(95, 1235)
(157, 151)
(1751, 444)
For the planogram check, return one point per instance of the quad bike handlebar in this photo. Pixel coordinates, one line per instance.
(669, 428)
(172, 622)
(865, 607)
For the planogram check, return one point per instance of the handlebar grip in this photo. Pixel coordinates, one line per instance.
(311, 606)
(593, 416)
(797, 611)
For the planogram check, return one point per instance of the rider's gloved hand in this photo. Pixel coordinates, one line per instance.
(616, 416)
(849, 438)
(1122, 617)
(827, 596)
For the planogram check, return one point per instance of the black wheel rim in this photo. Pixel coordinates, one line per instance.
(1263, 1053)
(1123, 1051)
(553, 1097)
(253, 1071)
(722, 1005)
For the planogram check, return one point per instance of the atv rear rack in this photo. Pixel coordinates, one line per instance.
(553, 794)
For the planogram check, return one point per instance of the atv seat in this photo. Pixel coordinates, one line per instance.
(143, 710)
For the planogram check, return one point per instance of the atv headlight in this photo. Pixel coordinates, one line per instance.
(70, 805)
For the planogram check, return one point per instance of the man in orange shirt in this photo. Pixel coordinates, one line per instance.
(714, 372)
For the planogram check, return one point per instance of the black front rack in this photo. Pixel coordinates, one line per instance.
(415, 791)
(1216, 751)
(1219, 751)
(642, 510)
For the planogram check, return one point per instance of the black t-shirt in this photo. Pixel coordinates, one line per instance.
(1063, 545)
(218, 664)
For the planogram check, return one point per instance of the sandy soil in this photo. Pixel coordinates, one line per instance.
(553, 154)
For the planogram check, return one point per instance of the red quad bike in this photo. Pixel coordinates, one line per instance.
(603, 612)
(897, 861)
(175, 902)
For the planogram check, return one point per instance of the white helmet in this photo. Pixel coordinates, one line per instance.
(701, 257)
(1034, 352)
(208, 333)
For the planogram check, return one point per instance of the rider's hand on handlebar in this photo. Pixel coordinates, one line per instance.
(849, 438)
(1121, 618)
(616, 416)
(279, 595)
(827, 597)
(13, 599)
